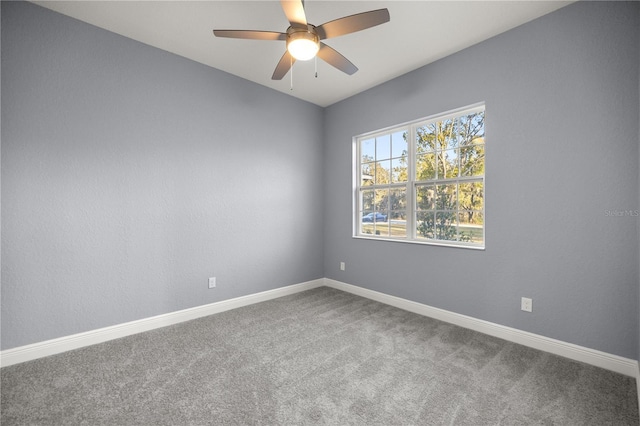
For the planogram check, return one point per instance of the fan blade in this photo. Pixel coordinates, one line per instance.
(353, 23)
(283, 66)
(332, 57)
(294, 10)
(252, 35)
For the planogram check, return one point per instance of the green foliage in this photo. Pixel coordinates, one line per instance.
(442, 226)
(450, 149)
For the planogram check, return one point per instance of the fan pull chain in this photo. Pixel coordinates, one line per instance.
(291, 68)
(315, 60)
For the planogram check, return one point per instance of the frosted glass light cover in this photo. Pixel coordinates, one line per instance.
(302, 49)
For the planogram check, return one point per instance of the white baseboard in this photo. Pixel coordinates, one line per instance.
(638, 383)
(600, 359)
(626, 366)
(75, 341)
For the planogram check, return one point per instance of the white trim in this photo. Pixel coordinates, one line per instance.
(626, 366)
(75, 341)
(638, 381)
(439, 243)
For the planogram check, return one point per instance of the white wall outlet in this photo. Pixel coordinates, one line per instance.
(342, 266)
(212, 282)
(526, 304)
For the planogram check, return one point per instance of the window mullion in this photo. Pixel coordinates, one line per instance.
(411, 187)
(357, 182)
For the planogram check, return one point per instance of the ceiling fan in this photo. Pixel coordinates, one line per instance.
(304, 39)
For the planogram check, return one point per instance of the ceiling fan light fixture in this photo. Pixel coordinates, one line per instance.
(303, 38)
(302, 44)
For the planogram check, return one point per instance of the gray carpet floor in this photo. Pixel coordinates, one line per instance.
(317, 357)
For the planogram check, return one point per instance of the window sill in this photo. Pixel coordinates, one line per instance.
(424, 243)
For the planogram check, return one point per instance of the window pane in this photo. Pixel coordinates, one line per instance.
(426, 138)
(448, 137)
(448, 164)
(426, 167)
(399, 144)
(383, 147)
(366, 175)
(471, 196)
(398, 224)
(472, 160)
(425, 197)
(471, 227)
(446, 197)
(383, 172)
(367, 228)
(399, 169)
(366, 202)
(382, 229)
(374, 223)
(471, 129)
(382, 200)
(444, 130)
(398, 199)
(367, 150)
(446, 226)
(425, 225)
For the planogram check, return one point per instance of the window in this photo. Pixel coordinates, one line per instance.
(423, 182)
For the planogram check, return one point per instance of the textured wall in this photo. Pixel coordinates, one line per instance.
(561, 97)
(131, 175)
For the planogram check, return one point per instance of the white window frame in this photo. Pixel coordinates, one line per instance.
(411, 185)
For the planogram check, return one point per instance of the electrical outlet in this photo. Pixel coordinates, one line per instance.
(526, 304)
(212, 282)
(342, 266)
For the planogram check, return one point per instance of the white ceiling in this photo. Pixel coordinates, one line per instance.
(419, 32)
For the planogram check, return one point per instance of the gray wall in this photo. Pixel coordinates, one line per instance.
(131, 175)
(562, 109)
